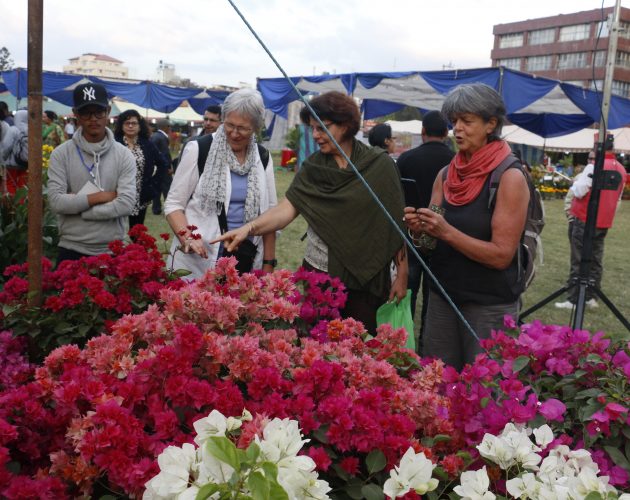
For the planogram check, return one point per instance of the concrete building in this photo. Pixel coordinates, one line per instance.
(96, 65)
(566, 47)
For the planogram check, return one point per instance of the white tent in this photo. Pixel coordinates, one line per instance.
(576, 142)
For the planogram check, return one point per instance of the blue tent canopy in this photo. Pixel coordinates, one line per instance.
(546, 107)
(160, 97)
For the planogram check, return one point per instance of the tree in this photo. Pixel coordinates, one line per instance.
(6, 63)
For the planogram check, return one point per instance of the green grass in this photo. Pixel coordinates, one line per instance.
(551, 275)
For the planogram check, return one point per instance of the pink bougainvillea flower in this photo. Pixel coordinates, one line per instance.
(552, 409)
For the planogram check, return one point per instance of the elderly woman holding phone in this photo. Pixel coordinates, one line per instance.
(475, 258)
(348, 235)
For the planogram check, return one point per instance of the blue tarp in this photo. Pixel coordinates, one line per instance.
(546, 107)
(160, 97)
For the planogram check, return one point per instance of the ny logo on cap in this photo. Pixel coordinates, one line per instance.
(89, 94)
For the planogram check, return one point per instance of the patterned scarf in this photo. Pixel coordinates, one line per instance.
(212, 184)
(465, 181)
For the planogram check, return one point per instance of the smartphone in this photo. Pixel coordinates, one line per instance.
(412, 195)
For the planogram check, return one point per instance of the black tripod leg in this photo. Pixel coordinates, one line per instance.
(611, 306)
(545, 301)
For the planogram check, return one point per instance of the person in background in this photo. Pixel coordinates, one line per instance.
(160, 138)
(380, 135)
(5, 114)
(475, 258)
(233, 180)
(422, 164)
(14, 152)
(69, 128)
(211, 120)
(131, 130)
(348, 234)
(52, 134)
(608, 202)
(91, 180)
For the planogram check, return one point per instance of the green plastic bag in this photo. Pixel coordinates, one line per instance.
(399, 316)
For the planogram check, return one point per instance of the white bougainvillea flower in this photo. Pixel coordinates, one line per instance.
(524, 486)
(496, 450)
(176, 466)
(587, 482)
(215, 424)
(543, 435)
(474, 485)
(281, 438)
(522, 448)
(211, 470)
(413, 473)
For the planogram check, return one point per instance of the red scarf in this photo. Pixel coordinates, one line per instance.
(465, 181)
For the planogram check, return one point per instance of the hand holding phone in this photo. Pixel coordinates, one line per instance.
(412, 194)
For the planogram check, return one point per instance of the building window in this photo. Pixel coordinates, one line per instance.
(511, 40)
(572, 60)
(575, 32)
(511, 63)
(623, 59)
(597, 85)
(603, 26)
(624, 30)
(620, 88)
(539, 37)
(538, 63)
(600, 58)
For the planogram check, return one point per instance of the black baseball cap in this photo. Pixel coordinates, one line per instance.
(90, 94)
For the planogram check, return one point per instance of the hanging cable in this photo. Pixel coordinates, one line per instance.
(358, 174)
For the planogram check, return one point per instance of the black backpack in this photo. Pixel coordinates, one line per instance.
(530, 239)
(205, 141)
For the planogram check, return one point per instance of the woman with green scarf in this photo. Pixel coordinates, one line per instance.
(52, 134)
(348, 234)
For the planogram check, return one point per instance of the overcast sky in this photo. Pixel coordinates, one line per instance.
(208, 43)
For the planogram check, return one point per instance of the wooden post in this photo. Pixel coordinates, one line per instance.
(35, 203)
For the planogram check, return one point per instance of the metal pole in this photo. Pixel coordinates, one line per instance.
(598, 171)
(35, 204)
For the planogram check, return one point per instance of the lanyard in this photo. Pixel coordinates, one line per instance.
(89, 169)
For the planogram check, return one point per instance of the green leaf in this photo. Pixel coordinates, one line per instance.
(484, 402)
(441, 438)
(626, 431)
(353, 489)
(593, 358)
(520, 363)
(594, 495)
(258, 485)
(618, 457)
(252, 452)
(588, 393)
(341, 473)
(375, 461)
(206, 491)
(465, 456)
(270, 469)
(440, 473)
(224, 450)
(372, 492)
(321, 434)
(427, 442)
(277, 492)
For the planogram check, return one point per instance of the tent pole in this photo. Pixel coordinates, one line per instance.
(35, 205)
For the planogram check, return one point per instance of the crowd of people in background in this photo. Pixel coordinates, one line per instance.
(218, 195)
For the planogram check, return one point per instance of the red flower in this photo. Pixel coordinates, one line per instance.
(320, 457)
(165, 236)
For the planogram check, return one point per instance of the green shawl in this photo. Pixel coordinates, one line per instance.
(335, 203)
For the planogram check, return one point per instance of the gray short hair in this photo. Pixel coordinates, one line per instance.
(246, 102)
(478, 99)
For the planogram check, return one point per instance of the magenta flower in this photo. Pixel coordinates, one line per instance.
(552, 409)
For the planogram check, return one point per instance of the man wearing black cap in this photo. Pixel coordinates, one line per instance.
(423, 164)
(91, 180)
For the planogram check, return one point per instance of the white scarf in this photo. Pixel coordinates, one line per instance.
(212, 184)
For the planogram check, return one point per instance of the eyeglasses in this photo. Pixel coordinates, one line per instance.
(131, 124)
(96, 113)
(230, 127)
(319, 129)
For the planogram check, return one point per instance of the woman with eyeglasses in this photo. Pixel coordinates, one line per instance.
(348, 234)
(132, 131)
(221, 183)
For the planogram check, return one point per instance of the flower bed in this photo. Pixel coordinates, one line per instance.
(93, 420)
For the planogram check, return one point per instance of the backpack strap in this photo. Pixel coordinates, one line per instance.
(495, 177)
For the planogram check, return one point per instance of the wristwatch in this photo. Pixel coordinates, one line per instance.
(270, 262)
